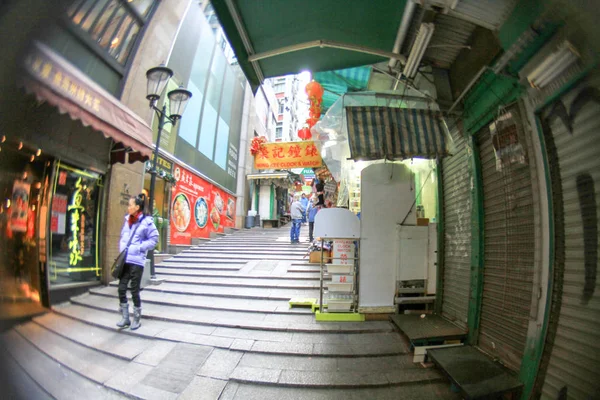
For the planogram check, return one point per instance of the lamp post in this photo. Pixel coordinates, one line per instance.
(158, 77)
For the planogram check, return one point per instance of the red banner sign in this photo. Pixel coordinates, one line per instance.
(198, 208)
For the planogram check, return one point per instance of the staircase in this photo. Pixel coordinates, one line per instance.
(219, 327)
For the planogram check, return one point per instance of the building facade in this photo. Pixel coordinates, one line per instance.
(77, 136)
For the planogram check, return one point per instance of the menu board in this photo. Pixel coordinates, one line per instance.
(198, 208)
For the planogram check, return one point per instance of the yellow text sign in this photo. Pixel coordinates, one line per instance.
(288, 155)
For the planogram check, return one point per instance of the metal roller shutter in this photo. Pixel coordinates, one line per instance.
(509, 246)
(574, 347)
(457, 233)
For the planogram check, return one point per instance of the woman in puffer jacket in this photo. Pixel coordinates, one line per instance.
(144, 240)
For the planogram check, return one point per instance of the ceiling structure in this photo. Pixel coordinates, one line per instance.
(274, 38)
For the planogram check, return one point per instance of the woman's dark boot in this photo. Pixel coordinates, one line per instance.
(125, 321)
(137, 316)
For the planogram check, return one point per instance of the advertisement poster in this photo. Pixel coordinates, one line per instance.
(20, 206)
(59, 214)
(198, 208)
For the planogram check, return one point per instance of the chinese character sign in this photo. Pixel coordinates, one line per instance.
(281, 155)
(198, 208)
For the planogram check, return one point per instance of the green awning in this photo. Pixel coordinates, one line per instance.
(339, 82)
(266, 28)
(391, 133)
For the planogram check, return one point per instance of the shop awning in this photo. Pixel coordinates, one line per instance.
(274, 38)
(393, 133)
(337, 83)
(54, 80)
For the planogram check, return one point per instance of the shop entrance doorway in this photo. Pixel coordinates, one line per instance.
(24, 179)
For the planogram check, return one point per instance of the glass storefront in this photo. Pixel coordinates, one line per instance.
(74, 226)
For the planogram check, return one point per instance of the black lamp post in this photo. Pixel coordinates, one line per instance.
(158, 77)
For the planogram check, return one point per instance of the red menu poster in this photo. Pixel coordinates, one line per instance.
(198, 208)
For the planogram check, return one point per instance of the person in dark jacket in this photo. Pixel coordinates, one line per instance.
(145, 238)
(312, 211)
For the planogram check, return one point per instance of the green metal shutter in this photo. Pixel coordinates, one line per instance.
(574, 351)
(457, 233)
(509, 250)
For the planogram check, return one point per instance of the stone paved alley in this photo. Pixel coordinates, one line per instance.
(218, 327)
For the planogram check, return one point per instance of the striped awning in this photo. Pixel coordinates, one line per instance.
(395, 133)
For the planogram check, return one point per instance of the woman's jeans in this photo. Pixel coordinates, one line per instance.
(134, 273)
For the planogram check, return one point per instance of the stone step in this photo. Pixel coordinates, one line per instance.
(207, 255)
(251, 340)
(250, 244)
(332, 372)
(200, 267)
(91, 364)
(203, 302)
(284, 323)
(305, 269)
(15, 382)
(247, 250)
(134, 379)
(193, 259)
(58, 381)
(233, 291)
(110, 342)
(235, 275)
(432, 391)
(275, 283)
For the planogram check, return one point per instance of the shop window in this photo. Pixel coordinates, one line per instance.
(74, 225)
(113, 24)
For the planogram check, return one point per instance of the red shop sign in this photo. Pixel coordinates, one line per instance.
(198, 208)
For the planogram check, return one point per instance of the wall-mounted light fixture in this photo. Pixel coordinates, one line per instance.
(418, 49)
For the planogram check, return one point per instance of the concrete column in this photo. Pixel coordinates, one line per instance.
(127, 180)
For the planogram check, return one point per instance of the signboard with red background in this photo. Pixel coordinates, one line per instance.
(198, 208)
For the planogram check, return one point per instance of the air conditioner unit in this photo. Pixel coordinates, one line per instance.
(554, 65)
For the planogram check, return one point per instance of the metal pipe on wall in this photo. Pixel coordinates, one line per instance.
(409, 10)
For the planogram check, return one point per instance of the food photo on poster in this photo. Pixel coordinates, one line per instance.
(198, 208)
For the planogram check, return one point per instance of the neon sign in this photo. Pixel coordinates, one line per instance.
(75, 246)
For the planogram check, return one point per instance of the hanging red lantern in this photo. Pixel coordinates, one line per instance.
(304, 133)
(314, 90)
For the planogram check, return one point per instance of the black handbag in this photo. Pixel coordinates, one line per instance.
(116, 270)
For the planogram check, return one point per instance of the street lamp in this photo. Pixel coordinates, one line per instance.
(158, 77)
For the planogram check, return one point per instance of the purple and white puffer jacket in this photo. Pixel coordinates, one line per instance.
(144, 240)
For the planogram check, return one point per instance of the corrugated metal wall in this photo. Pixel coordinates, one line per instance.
(449, 36)
(574, 346)
(490, 14)
(509, 247)
(457, 233)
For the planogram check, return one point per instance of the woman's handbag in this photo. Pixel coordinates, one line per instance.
(116, 270)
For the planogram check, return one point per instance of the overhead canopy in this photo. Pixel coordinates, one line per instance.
(337, 83)
(55, 80)
(393, 133)
(261, 33)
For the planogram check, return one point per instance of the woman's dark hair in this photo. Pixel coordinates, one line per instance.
(140, 200)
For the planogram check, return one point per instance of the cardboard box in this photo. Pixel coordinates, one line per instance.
(422, 221)
(315, 257)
